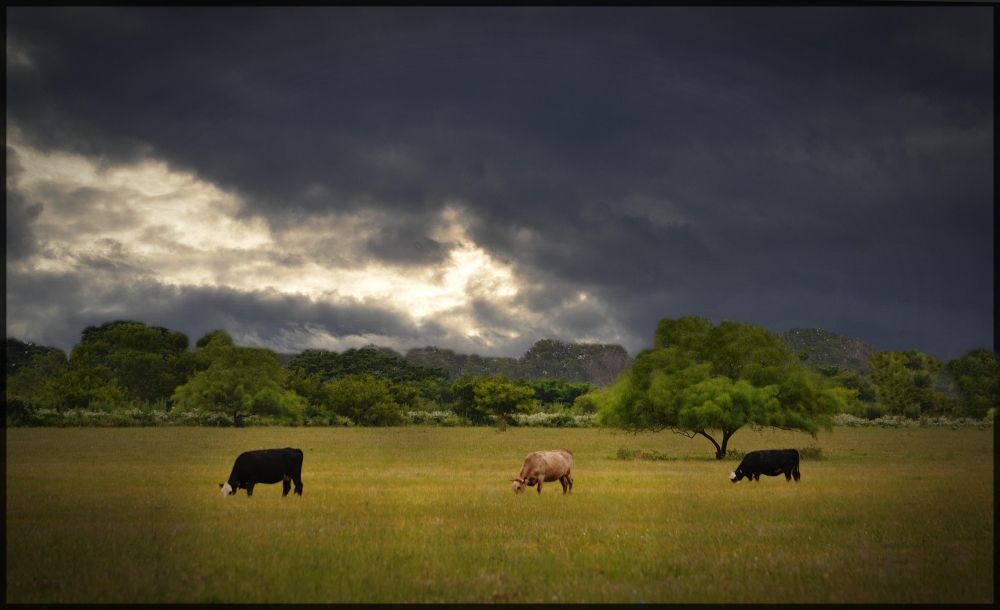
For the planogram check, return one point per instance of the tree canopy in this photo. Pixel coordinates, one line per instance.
(977, 378)
(365, 361)
(700, 378)
(239, 381)
(903, 382)
(480, 398)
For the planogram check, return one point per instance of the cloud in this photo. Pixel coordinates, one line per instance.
(20, 214)
(146, 242)
(473, 171)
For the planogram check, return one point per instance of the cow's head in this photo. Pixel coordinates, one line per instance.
(228, 490)
(517, 485)
(736, 475)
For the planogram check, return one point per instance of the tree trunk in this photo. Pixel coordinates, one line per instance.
(726, 435)
(719, 451)
(503, 422)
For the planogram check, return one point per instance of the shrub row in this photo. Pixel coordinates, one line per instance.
(128, 418)
(896, 421)
(146, 418)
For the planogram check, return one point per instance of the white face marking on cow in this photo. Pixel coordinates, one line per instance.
(227, 491)
(732, 476)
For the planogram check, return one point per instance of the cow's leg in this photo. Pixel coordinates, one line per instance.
(250, 489)
(540, 479)
(565, 483)
(788, 476)
(569, 479)
(297, 478)
(285, 486)
(795, 473)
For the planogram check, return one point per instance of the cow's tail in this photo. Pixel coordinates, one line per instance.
(795, 471)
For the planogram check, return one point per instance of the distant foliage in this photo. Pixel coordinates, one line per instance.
(896, 421)
(121, 362)
(21, 354)
(904, 386)
(239, 382)
(551, 391)
(977, 379)
(382, 363)
(547, 358)
(553, 420)
(364, 399)
(483, 400)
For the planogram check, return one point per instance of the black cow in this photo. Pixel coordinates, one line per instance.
(265, 466)
(771, 462)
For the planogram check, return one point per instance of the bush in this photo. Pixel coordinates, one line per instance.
(811, 452)
(552, 420)
(651, 455)
(435, 418)
(872, 411)
(895, 421)
(735, 454)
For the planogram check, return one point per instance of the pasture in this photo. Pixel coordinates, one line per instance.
(426, 514)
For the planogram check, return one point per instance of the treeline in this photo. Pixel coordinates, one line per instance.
(150, 371)
(129, 373)
(707, 380)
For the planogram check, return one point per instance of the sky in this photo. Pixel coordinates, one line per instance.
(482, 178)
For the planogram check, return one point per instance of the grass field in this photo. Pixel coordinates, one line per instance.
(420, 514)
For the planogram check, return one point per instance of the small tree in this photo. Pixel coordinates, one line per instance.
(479, 398)
(239, 381)
(699, 378)
(365, 399)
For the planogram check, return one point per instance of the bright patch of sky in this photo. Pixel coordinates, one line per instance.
(148, 220)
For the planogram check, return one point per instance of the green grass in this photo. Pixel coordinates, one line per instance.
(423, 514)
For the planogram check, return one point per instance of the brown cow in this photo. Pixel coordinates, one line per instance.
(546, 466)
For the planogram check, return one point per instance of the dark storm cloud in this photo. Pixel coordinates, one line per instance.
(20, 214)
(821, 165)
(78, 300)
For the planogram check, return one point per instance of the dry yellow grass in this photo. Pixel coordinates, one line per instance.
(426, 514)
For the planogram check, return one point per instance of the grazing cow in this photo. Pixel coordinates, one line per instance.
(265, 466)
(546, 466)
(771, 462)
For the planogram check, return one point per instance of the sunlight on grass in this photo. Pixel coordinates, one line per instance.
(426, 514)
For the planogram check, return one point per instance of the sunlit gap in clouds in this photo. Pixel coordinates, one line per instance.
(145, 221)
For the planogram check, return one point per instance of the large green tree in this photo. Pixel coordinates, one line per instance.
(705, 380)
(240, 381)
(977, 378)
(146, 362)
